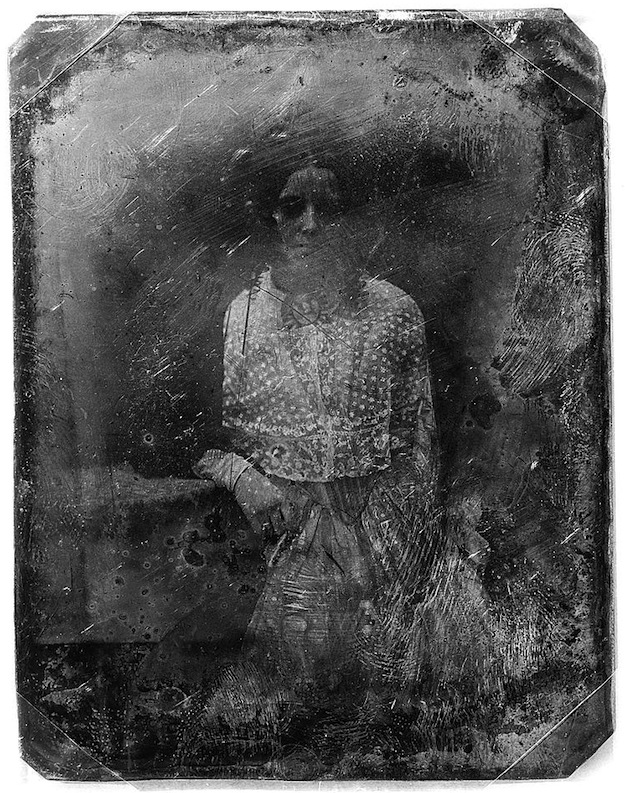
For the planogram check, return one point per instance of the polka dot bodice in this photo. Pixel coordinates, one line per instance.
(330, 398)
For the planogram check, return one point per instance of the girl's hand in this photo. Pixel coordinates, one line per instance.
(260, 500)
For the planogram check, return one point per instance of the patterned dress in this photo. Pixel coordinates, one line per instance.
(336, 410)
(369, 612)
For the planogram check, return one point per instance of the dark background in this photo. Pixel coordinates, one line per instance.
(145, 177)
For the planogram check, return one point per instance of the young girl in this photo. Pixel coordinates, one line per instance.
(327, 397)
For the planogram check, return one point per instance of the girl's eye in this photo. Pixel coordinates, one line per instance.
(292, 207)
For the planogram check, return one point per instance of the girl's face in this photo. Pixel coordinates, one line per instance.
(310, 224)
(308, 209)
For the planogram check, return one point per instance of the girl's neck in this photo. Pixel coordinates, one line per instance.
(309, 280)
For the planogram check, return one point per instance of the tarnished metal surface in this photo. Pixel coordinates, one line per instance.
(149, 157)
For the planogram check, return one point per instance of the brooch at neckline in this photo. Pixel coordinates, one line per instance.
(309, 308)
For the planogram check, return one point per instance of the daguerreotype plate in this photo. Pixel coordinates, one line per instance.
(312, 396)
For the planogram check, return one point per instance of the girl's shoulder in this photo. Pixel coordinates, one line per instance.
(389, 301)
(251, 299)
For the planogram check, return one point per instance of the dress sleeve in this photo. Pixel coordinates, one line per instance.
(234, 371)
(412, 424)
(401, 512)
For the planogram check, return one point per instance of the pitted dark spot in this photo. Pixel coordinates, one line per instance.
(483, 408)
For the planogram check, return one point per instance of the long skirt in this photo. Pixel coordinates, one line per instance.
(365, 604)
